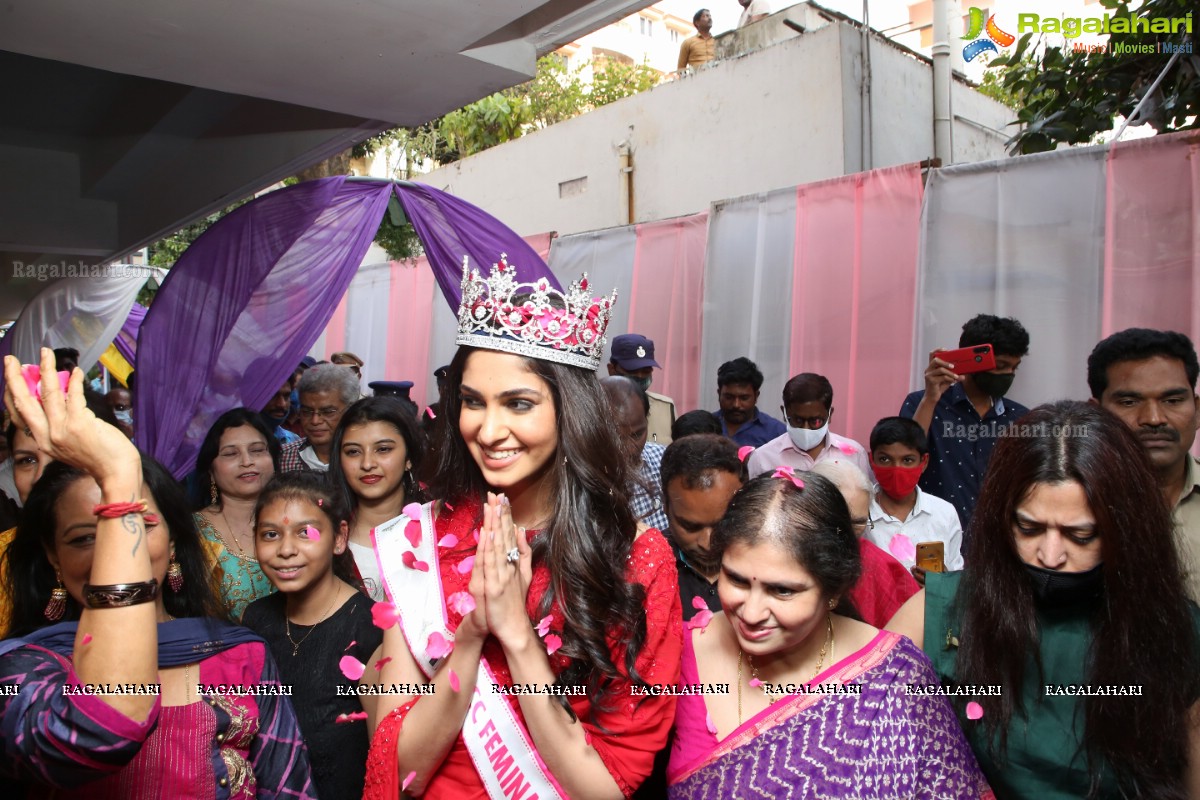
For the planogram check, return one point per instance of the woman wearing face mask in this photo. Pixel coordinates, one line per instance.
(1073, 602)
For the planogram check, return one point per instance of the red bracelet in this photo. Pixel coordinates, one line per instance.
(118, 510)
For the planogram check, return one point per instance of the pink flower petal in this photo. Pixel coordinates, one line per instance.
(902, 548)
(553, 642)
(32, 374)
(712, 728)
(352, 717)
(449, 540)
(407, 780)
(744, 451)
(454, 683)
(438, 646)
(320, 502)
(755, 682)
(312, 533)
(974, 710)
(352, 643)
(848, 449)
(379, 664)
(699, 604)
(543, 626)
(352, 668)
(461, 602)
(466, 565)
(788, 473)
(87, 637)
(384, 615)
(410, 560)
(448, 506)
(429, 412)
(412, 532)
(700, 620)
(413, 512)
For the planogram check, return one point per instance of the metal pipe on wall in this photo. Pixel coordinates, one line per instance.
(943, 147)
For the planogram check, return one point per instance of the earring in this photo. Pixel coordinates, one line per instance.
(832, 603)
(58, 601)
(174, 575)
(213, 495)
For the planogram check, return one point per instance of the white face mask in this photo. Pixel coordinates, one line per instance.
(807, 439)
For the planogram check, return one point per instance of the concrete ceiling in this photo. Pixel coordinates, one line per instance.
(122, 121)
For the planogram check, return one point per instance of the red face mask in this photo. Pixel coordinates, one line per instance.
(898, 482)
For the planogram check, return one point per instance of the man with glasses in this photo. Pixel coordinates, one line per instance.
(808, 409)
(325, 392)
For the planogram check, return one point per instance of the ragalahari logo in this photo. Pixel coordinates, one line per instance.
(976, 30)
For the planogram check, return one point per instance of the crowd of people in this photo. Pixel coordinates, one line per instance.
(551, 584)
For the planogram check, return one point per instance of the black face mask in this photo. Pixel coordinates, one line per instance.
(1052, 589)
(994, 384)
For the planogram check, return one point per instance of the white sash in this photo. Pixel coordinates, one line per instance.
(495, 737)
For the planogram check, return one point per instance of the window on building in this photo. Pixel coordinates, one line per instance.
(646, 26)
(674, 35)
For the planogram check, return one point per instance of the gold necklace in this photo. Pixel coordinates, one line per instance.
(287, 624)
(826, 647)
(241, 551)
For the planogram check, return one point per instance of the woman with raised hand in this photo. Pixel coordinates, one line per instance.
(376, 454)
(237, 459)
(541, 576)
(114, 701)
(1074, 603)
(820, 704)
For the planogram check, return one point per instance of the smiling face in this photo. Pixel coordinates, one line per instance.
(75, 537)
(1055, 528)
(295, 544)
(374, 460)
(243, 464)
(507, 421)
(1154, 398)
(773, 604)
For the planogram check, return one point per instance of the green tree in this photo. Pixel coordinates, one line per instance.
(1071, 97)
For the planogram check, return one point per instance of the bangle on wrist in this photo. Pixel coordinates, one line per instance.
(118, 510)
(120, 595)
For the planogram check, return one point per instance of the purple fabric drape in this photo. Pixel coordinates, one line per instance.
(450, 228)
(247, 300)
(126, 341)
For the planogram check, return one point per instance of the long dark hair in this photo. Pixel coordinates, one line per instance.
(233, 418)
(591, 529)
(394, 413)
(315, 488)
(1142, 625)
(812, 524)
(30, 578)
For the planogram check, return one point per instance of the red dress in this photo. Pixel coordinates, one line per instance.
(885, 585)
(626, 738)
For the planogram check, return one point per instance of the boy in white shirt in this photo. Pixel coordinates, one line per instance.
(902, 516)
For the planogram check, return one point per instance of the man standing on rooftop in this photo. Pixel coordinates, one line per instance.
(701, 48)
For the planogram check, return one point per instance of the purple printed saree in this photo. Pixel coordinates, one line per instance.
(880, 743)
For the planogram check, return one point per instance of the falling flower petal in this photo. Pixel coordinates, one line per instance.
(848, 449)
(448, 506)
(461, 602)
(87, 637)
(423, 486)
(438, 646)
(902, 548)
(755, 682)
(449, 540)
(412, 511)
(453, 678)
(412, 532)
(352, 717)
(712, 728)
(429, 412)
(788, 474)
(313, 534)
(379, 664)
(407, 780)
(410, 560)
(974, 710)
(553, 642)
(543, 626)
(744, 451)
(466, 565)
(352, 668)
(700, 620)
(699, 604)
(352, 643)
(384, 615)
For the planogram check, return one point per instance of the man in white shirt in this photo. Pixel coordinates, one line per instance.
(753, 11)
(902, 516)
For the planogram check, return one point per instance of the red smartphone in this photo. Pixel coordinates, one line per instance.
(966, 360)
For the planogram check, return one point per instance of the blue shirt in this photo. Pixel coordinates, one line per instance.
(761, 429)
(646, 492)
(960, 446)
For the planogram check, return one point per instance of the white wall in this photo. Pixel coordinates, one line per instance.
(778, 117)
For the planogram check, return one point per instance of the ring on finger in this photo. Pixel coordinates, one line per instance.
(513, 556)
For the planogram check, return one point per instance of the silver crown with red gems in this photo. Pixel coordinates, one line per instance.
(532, 319)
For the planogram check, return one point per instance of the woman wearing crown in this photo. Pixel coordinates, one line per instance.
(529, 575)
